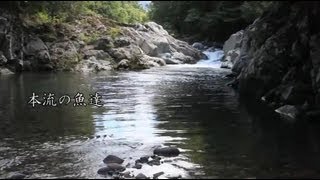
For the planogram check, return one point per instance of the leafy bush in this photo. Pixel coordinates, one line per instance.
(114, 32)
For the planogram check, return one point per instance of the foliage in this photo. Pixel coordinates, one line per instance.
(213, 19)
(114, 32)
(64, 11)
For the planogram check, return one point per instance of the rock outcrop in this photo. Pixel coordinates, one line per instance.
(231, 49)
(88, 45)
(278, 57)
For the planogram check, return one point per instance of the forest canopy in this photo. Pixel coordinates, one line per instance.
(201, 20)
(214, 20)
(62, 11)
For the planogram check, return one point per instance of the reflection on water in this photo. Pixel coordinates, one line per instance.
(187, 106)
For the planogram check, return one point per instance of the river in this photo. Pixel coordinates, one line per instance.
(187, 106)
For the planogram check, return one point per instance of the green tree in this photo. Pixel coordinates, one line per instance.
(214, 20)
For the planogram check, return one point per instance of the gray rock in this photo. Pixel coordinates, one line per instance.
(154, 162)
(98, 54)
(144, 159)
(288, 112)
(121, 41)
(103, 43)
(5, 71)
(156, 175)
(3, 59)
(111, 169)
(93, 65)
(137, 166)
(156, 157)
(17, 175)
(155, 41)
(112, 159)
(167, 151)
(123, 64)
(34, 46)
(233, 42)
(126, 174)
(141, 176)
(198, 46)
(226, 65)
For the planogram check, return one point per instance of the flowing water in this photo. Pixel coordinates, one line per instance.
(187, 106)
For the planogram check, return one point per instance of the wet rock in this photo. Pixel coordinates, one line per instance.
(3, 59)
(111, 169)
(154, 162)
(17, 175)
(5, 71)
(104, 171)
(123, 64)
(198, 46)
(226, 65)
(93, 65)
(126, 174)
(230, 58)
(167, 151)
(128, 165)
(288, 112)
(231, 75)
(172, 61)
(141, 176)
(167, 161)
(137, 166)
(233, 42)
(113, 159)
(175, 177)
(116, 176)
(144, 159)
(156, 175)
(103, 43)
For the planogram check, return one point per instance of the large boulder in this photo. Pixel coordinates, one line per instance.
(167, 151)
(99, 54)
(198, 46)
(112, 159)
(279, 57)
(104, 43)
(233, 42)
(154, 41)
(93, 65)
(5, 71)
(288, 112)
(111, 169)
(230, 58)
(64, 55)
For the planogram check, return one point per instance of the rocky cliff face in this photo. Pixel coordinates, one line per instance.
(277, 59)
(88, 45)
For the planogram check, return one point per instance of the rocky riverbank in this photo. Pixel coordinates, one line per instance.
(116, 170)
(87, 44)
(276, 60)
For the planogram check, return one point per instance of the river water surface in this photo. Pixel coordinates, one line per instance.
(187, 106)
